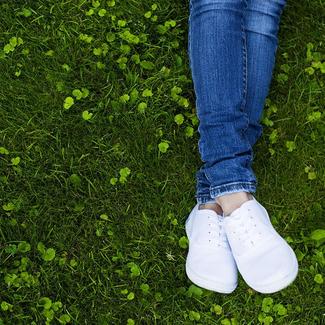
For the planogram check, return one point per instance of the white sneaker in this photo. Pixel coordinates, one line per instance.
(209, 262)
(265, 260)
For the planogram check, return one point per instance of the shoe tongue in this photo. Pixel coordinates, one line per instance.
(243, 206)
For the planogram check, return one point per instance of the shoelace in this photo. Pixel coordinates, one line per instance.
(216, 234)
(245, 228)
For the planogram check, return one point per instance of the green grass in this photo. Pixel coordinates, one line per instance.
(81, 244)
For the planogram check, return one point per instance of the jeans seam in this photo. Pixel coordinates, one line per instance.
(245, 68)
(245, 77)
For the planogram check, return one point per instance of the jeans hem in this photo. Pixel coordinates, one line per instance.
(234, 187)
(201, 199)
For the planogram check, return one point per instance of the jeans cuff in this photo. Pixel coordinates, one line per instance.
(201, 199)
(232, 188)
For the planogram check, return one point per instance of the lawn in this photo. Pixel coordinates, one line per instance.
(98, 154)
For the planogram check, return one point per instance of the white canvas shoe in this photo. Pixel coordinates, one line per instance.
(264, 259)
(209, 262)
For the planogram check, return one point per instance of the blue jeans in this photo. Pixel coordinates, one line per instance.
(231, 46)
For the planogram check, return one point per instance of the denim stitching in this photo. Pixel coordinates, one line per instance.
(233, 187)
(245, 73)
(244, 38)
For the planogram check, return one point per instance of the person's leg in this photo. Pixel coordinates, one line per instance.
(261, 23)
(217, 52)
(222, 75)
(259, 27)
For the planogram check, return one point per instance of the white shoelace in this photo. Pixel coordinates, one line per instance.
(216, 233)
(245, 229)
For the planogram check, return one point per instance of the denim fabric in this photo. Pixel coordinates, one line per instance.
(231, 46)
